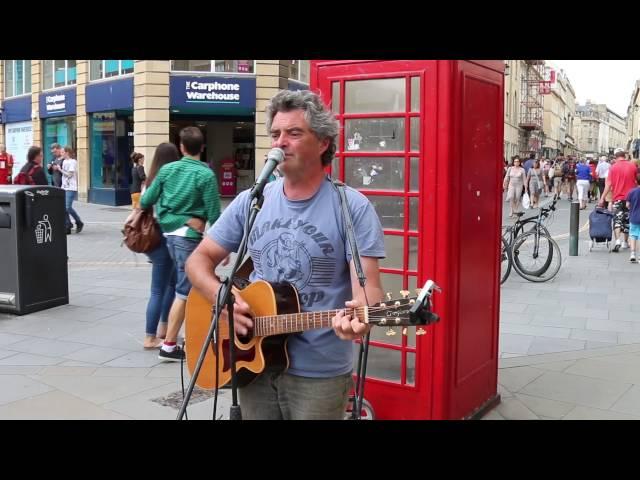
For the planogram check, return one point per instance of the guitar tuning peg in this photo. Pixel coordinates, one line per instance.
(383, 305)
(404, 331)
(412, 301)
(404, 293)
(421, 331)
(389, 296)
(390, 332)
(397, 304)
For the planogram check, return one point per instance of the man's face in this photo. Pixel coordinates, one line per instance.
(290, 132)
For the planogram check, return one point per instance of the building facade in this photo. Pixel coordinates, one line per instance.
(106, 109)
(559, 118)
(633, 122)
(513, 134)
(599, 130)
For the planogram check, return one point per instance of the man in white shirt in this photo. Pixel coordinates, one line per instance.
(69, 171)
(602, 171)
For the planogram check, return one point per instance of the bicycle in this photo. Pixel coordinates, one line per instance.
(539, 248)
(519, 228)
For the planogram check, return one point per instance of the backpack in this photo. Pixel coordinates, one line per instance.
(557, 170)
(570, 168)
(25, 178)
(141, 231)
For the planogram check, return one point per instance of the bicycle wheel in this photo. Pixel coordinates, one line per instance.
(536, 258)
(505, 261)
(530, 226)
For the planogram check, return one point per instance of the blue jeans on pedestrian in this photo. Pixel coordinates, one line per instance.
(163, 284)
(180, 248)
(69, 197)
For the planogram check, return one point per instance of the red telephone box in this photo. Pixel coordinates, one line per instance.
(423, 139)
(229, 180)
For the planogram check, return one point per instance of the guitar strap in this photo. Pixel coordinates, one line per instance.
(348, 225)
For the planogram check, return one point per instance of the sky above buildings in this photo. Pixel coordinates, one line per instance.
(602, 81)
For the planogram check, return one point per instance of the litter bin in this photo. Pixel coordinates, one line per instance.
(33, 249)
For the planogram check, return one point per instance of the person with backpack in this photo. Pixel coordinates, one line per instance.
(569, 171)
(32, 173)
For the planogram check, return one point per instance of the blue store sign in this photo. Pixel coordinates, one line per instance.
(16, 109)
(58, 103)
(212, 95)
(113, 95)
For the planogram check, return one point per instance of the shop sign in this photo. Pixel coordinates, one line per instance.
(198, 92)
(58, 103)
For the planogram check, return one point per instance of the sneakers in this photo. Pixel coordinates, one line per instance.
(625, 245)
(616, 247)
(175, 356)
(79, 227)
(632, 257)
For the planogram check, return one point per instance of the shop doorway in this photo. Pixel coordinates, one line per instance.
(226, 138)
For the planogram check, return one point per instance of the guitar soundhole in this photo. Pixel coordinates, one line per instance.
(244, 339)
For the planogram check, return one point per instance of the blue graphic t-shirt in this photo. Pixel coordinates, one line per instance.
(304, 243)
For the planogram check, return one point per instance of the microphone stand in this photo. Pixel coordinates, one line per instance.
(227, 299)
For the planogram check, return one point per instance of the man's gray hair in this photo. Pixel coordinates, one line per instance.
(55, 145)
(321, 120)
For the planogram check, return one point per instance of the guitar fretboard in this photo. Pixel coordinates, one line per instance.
(298, 322)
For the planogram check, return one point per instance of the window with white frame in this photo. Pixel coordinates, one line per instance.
(214, 66)
(99, 69)
(299, 70)
(58, 73)
(17, 77)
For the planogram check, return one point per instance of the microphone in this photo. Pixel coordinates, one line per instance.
(274, 158)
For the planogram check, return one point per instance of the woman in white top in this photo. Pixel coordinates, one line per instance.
(69, 172)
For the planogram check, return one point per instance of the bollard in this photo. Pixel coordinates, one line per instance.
(574, 221)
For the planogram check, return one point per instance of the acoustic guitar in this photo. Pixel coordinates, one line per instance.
(276, 309)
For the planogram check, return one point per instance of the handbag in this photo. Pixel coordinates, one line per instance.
(141, 232)
(526, 201)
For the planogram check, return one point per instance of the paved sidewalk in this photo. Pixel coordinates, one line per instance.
(570, 348)
(591, 303)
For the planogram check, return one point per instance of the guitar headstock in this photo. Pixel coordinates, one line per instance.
(405, 311)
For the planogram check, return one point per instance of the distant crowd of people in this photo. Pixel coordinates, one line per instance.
(611, 182)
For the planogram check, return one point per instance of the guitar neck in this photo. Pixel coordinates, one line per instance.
(299, 322)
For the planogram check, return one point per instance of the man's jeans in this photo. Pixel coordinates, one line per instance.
(281, 396)
(69, 197)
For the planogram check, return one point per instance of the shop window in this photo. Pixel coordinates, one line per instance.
(61, 130)
(102, 140)
(217, 66)
(58, 73)
(17, 77)
(99, 69)
(299, 70)
(110, 146)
